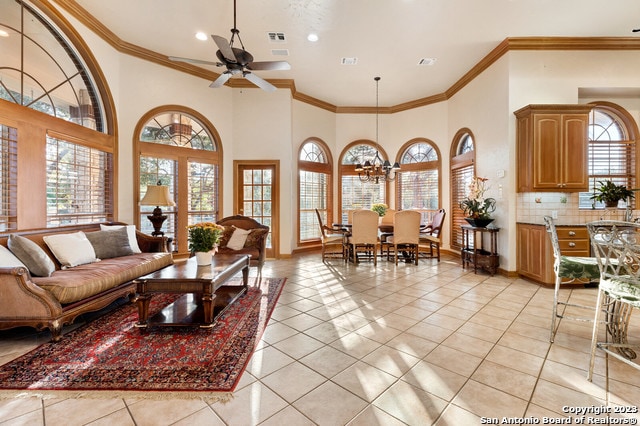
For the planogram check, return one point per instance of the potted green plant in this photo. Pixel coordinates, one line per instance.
(380, 208)
(610, 193)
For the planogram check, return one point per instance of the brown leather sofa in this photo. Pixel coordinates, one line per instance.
(256, 243)
(49, 302)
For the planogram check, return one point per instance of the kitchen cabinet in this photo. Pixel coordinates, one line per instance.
(552, 142)
(535, 254)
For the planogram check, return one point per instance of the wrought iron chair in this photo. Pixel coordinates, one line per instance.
(406, 235)
(617, 248)
(332, 240)
(364, 235)
(430, 236)
(568, 269)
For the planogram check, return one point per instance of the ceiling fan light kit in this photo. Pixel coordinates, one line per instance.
(237, 61)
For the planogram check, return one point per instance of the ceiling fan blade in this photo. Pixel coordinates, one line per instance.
(269, 66)
(194, 61)
(220, 81)
(263, 84)
(224, 47)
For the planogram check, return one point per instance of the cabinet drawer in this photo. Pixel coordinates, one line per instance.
(574, 245)
(572, 233)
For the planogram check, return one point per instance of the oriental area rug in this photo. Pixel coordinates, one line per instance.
(110, 357)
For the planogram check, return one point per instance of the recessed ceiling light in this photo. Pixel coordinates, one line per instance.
(201, 36)
(3, 33)
(312, 37)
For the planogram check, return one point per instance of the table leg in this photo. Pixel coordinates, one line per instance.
(245, 277)
(143, 309)
(207, 309)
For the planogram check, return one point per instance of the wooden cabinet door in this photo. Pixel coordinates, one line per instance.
(533, 254)
(548, 152)
(575, 155)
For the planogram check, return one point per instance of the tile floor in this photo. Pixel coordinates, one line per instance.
(385, 345)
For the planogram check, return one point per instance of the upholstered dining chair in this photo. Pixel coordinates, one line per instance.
(386, 227)
(430, 236)
(616, 245)
(332, 240)
(406, 234)
(364, 235)
(568, 269)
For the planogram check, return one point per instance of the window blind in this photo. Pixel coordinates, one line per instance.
(460, 179)
(8, 177)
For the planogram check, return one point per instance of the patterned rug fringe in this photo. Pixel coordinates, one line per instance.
(209, 397)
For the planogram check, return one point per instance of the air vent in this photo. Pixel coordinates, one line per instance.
(349, 61)
(276, 37)
(280, 52)
(427, 61)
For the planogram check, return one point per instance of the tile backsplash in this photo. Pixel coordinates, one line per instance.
(532, 206)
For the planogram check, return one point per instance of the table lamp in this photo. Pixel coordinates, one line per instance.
(157, 195)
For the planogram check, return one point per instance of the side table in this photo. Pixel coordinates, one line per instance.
(473, 251)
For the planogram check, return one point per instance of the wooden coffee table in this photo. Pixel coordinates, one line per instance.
(205, 295)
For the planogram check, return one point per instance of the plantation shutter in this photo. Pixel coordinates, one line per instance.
(460, 179)
(610, 160)
(8, 177)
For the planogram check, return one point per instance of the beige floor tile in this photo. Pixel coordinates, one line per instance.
(33, 418)
(485, 401)
(305, 380)
(525, 344)
(355, 345)
(277, 331)
(330, 404)
(364, 380)
(411, 344)
(553, 397)
(410, 404)
(328, 361)
(298, 345)
(508, 380)
(266, 361)
(391, 360)
(435, 380)
(15, 407)
(288, 416)
(70, 412)
(250, 405)
(481, 331)
(521, 361)
(454, 360)
(468, 344)
(301, 322)
(373, 416)
(455, 415)
(204, 417)
(433, 332)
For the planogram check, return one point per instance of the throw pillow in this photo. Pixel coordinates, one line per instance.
(71, 249)
(108, 244)
(255, 236)
(32, 255)
(238, 238)
(131, 232)
(8, 259)
(225, 236)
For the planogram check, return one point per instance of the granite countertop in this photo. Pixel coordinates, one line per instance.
(558, 225)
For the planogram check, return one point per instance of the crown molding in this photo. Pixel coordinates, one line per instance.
(507, 45)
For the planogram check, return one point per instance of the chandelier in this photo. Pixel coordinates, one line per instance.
(376, 170)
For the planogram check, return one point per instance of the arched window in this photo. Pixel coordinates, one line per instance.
(355, 194)
(314, 189)
(612, 150)
(418, 182)
(462, 171)
(179, 147)
(49, 77)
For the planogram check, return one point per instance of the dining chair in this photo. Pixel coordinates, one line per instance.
(568, 269)
(616, 245)
(386, 227)
(430, 236)
(364, 236)
(332, 240)
(406, 234)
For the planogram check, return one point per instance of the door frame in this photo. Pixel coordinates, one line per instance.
(275, 194)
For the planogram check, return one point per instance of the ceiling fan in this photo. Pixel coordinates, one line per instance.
(237, 61)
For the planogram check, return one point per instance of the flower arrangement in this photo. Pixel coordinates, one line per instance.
(476, 206)
(380, 208)
(204, 236)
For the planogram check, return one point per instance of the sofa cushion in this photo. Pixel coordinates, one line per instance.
(131, 232)
(238, 238)
(8, 259)
(71, 249)
(33, 257)
(255, 237)
(74, 284)
(112, 243)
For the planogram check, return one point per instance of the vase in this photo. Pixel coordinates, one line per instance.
(203, 258)
(478, 223)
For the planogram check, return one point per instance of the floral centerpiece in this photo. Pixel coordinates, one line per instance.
(203, 237)
(380, 208)
(476, 206)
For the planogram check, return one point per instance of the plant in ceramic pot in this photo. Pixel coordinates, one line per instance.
(611, 193)
(476, 206)
(380, 208)
(203, 238)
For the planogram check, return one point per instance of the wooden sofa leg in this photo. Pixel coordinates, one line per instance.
(56, 331)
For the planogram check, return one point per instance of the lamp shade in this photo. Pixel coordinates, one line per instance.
(157, 195)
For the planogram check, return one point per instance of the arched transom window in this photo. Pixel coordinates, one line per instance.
(418, 182)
